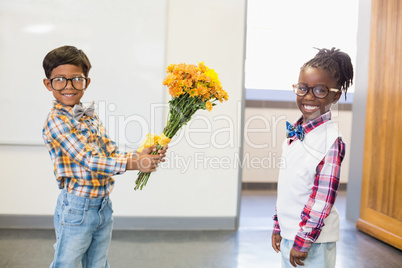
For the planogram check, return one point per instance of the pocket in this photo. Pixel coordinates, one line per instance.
(108, 210)
(74, 217)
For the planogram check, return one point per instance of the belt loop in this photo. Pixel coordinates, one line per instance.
(65, 197)
(105, 200)
(86, 204)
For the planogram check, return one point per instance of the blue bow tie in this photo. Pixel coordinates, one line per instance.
(79, 111)
(291, 131)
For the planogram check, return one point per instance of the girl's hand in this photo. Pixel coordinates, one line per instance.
(296, 257)
(276, 242)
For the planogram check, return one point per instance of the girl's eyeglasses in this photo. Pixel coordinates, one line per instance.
(320, 91)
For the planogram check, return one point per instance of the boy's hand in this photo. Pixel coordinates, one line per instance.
(296, 257)
(162, 152)
(145, 161)
(276, 242)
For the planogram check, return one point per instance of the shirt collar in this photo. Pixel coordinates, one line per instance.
(312, 124)
(62, 107)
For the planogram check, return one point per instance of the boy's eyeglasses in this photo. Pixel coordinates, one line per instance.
(320, 91)
(60, 83)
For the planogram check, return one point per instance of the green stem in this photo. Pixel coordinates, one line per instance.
(142, 178)
(180, 112)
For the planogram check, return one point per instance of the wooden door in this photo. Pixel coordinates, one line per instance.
(381, 212)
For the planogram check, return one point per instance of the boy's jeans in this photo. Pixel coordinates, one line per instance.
(320, 255)
(83, 231)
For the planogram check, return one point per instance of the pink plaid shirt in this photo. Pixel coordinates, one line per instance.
(325, 188)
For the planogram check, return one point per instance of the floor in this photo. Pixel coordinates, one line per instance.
(249, 247)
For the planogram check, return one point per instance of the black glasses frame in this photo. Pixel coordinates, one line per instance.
(72, 83)
(312, 89)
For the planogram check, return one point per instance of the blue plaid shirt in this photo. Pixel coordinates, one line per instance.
(83, 155)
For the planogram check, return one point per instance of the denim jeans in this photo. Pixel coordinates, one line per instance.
(83, 231)
(320, 255)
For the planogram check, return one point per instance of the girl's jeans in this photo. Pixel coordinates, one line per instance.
(320, 255)
(83, 231)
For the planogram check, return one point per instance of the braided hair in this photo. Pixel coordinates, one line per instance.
(338, 64)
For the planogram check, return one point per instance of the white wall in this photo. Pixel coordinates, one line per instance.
(124, 40)
(210, 31)
(359, 112)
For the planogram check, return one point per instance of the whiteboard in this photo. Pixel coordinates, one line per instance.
(125, 42)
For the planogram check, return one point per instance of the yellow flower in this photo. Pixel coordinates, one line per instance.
(213, 77)
(202, 67)
(208, 105)
(150, 139)
(170, 68)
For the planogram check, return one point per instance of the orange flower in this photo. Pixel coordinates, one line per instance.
(176, 91)
(198, 81)
(193, 92)
(202, 90)
(168, 79)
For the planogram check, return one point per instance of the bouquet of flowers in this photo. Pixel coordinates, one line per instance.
(192, 88)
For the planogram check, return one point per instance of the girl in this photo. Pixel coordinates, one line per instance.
(306, 222)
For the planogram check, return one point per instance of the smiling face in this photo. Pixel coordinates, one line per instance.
(311, 106)
(69, 95)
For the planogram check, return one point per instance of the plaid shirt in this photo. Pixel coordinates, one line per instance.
(325, 189)
(83, 155)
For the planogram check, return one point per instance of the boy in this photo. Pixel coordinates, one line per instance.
(84, 160)
(306, 220)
